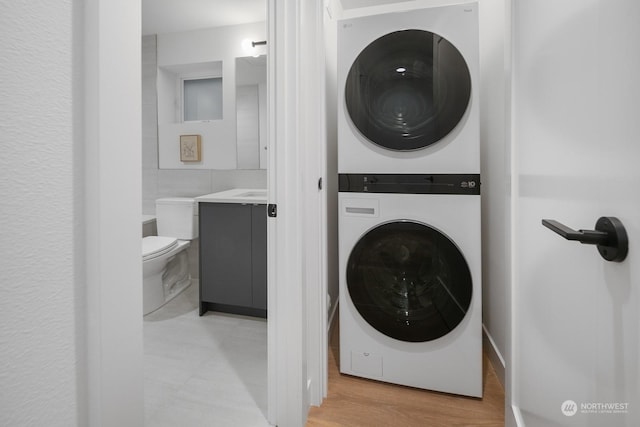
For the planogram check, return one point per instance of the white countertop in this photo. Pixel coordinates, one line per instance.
(146, 219)
(236, 195)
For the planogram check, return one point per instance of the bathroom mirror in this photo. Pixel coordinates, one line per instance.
(251, 112)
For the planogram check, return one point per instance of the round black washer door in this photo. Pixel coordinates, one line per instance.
(409, 281)
(408, 90)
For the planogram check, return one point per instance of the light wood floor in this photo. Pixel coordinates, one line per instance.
(354, 402)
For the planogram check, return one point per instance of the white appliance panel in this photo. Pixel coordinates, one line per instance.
(452, 363)
(459, 150)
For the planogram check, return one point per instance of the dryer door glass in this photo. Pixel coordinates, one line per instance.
(409, 281)
(408, 90)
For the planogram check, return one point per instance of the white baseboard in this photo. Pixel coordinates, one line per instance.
(495, 357)
(511, 413)
(513, 417)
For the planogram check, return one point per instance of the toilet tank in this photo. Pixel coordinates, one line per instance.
(177, 217)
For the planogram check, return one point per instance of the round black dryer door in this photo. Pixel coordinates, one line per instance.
(409, 281)
(408, 90)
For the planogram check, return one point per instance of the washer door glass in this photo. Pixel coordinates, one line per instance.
(409, 281)
(408, 90)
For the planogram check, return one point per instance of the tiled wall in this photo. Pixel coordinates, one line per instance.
(149, 125)
(173, 182)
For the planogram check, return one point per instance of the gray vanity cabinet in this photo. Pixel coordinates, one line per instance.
(233, 258)
(259, 256)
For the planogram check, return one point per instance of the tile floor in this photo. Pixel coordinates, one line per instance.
(204, 371)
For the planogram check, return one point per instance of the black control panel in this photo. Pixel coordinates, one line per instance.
(468, 184)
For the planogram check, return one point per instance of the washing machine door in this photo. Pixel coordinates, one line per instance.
(409, 281)
(407, 90)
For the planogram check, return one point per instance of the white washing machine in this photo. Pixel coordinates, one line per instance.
(410, 281)
(408, 92)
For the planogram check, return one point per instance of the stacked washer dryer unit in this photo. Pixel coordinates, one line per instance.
(409, 198)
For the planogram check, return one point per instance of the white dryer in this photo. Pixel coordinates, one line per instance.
(410, 281)
(408, 92)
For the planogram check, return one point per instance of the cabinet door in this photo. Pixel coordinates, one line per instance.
(259, 255)
(225, 245)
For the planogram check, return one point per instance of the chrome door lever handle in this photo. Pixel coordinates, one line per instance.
(609, 235)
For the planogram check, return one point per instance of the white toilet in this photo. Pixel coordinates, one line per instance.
(165, 263)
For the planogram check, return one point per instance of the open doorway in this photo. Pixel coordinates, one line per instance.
(214, 366)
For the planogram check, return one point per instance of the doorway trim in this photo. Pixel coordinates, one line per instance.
(111, 96)
(297, 284)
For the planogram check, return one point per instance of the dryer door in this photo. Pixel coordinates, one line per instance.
(407, 90)
(409, 281)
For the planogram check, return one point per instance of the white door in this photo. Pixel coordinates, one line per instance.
(576, 152)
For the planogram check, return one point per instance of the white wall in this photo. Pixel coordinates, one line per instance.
(332, 11)
(176, 182)
(191, 50)
(42, 335)
(70, 331)
(495, 176)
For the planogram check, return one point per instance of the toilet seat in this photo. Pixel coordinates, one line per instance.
(155, 246)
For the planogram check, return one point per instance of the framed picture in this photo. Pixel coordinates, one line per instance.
(190, 148)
